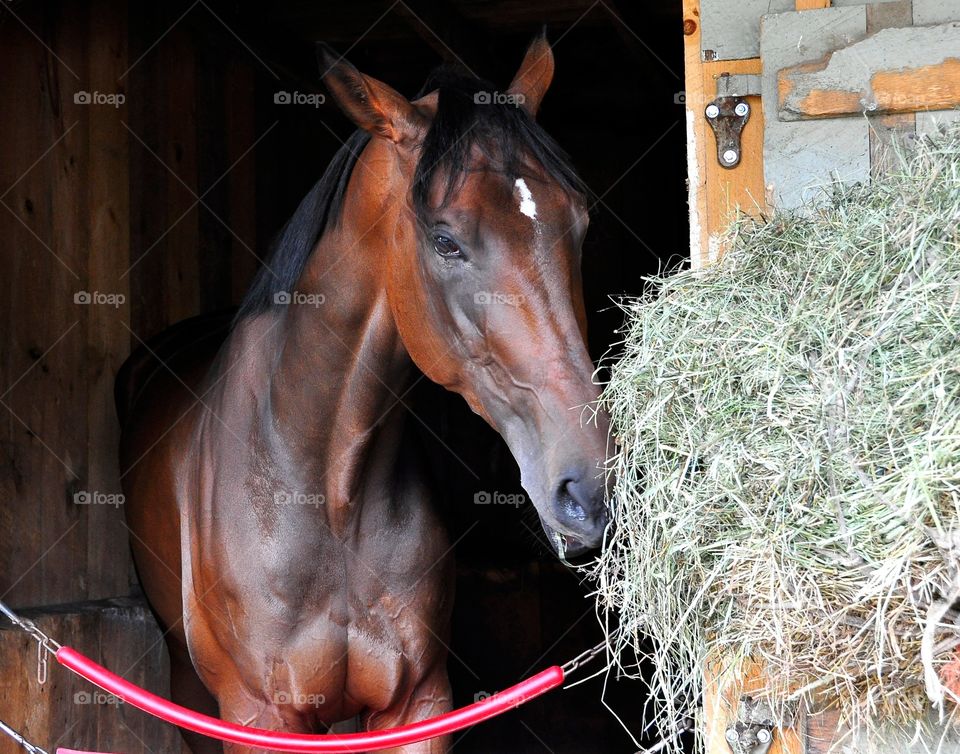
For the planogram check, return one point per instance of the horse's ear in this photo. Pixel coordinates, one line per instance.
(371, 104)
(535, 74)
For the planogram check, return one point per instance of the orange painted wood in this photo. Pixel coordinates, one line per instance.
(932, 87)
(716, 192)
(722, 691)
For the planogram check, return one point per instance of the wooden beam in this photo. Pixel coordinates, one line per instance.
(721, 696)
(108, 336)
(67, 710)
(893, 71)
(812, 4)
(696, 133)
(716, 193)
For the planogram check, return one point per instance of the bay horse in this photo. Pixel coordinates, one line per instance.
(280, 514)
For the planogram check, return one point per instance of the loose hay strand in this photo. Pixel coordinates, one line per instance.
(787, 467)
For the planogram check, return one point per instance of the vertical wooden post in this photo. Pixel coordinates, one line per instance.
(178, 149)
(696, 133)
(241, 134)
(107, 336)
(716, 192)
(721, 697)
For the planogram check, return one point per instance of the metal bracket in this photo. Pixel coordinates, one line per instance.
(752, 731)
(727, 116)
(739, 85)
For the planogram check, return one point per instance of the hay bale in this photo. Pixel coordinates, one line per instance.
(788, 461)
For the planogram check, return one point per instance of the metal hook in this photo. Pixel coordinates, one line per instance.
(41, 663)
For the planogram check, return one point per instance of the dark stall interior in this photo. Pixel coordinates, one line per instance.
(614, 107)
(216, 160)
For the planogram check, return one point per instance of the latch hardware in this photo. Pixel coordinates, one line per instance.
(727, 117)
(752, 730)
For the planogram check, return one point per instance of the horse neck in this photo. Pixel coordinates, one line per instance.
(341, 366)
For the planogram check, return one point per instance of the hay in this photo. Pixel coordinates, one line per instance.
(788, 462)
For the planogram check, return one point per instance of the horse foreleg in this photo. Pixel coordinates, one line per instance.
(238, 707)
(432, 697)
(187, 690)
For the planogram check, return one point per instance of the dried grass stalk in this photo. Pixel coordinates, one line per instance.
(788, 460)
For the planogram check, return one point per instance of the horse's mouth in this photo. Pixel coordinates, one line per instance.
(566, 546)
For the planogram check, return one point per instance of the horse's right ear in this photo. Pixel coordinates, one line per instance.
(371, 104)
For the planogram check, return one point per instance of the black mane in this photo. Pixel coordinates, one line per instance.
(465, 118)
(503, 131)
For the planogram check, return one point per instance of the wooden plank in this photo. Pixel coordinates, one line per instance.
(801, 160)
(731, 30)
(741, 188)
(45, 265)
(892, 71)
(889, 15)
(147, 177)
(242, 181)
(164, 281)
(108, 340)
(215, 223)
(696, 134)
(812, 4)
(180, 248)
(61, 405)
(927, 12)
(887, 130)
(23, 271)
(120, 634)
(716, 192)
(722, 692)
(823, 730)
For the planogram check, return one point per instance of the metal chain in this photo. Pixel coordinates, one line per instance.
(44, 643)
(31, 628)
(583, 658)
(33, 749)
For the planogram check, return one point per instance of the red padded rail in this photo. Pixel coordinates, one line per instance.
(302, 742)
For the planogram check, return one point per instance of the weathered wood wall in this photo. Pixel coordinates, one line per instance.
(147, 207)
(118, 218)
(104, 199)
(66, 710)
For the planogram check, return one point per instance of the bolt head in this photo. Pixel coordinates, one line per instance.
(730, 156)
(712, 111)
(742, 109)
(763, 735)
(731, 735)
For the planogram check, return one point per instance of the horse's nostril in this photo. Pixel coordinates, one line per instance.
(569, 501)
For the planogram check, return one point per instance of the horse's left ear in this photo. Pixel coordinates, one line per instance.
(535, 74)
(370, 104)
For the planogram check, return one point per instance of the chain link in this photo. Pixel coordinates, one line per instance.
(44, 643)
(24, 743)
(583, 658)
(31, 628)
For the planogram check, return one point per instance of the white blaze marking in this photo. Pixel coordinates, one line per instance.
(527, 206)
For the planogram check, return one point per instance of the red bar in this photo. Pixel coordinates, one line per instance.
(303, 742)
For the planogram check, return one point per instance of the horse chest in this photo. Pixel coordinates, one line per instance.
(372, 659)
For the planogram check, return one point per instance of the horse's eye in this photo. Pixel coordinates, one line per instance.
(446, 246)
